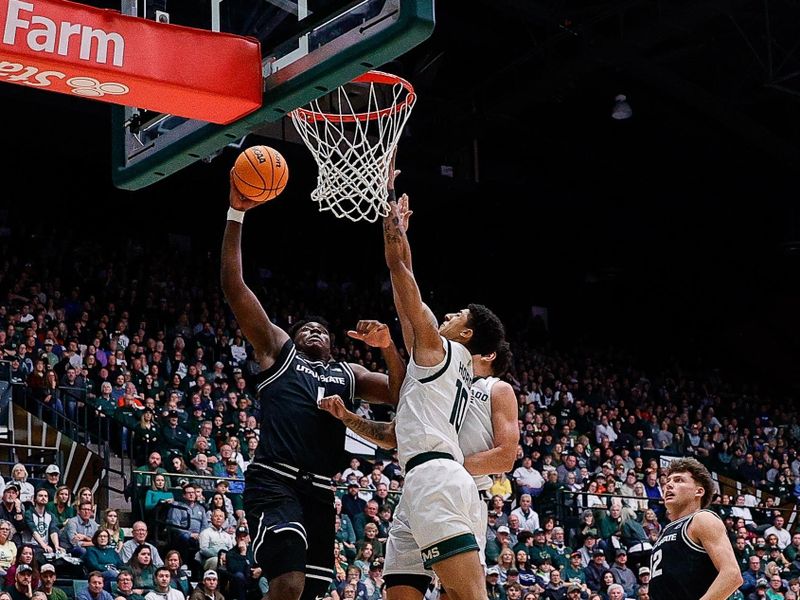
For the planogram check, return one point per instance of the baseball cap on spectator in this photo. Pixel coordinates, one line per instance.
(758, 546)
(232, 461)
(242, 531)
(12, 486)
(761, 582)
(173, 414)
(47, 568)
(52, 469)
(237, 370)
(597, 553)
(375, 564)
(48, 342)
(219, 364)
(210, 574)
(501, 529)
(221, 481)
(574, 587)
(622, 550)
(576, 553)
(538, 531)
(23, 568)
(644, 571)
(492, 571)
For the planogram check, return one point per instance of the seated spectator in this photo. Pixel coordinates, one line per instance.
(180, 576)
(139, 531)
(596, 570)
(23, 586)
(141, 567)
(48, 584)
(212, 540)
(78, 532)
(40, 527)
(61, 507)
(528, 518)
(111, 524)
(573, 572)
(371, 536)
(528, 479)
(777, 528)
(505, 561)
(102, 556)
(187, 519)
(8, 549)
(84, 495)
(500, 508)
(650, 524)
(123, 588)
(353, 580)
(26, 558)
(207, 589)
(201, 467)
(19, 475)
(11, 510)
(162, 589)
(218, 502)
(94, 591)
(501, 486)
(364, 557)
(243, 572)
(344, 534)
(52, 475)
(157, 494)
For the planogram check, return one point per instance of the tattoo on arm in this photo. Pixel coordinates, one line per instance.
(377, 432)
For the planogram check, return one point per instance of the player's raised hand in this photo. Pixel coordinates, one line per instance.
(403, 211)
(334, 405)
(238, 201)
(373, 333)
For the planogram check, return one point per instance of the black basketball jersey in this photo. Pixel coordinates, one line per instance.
(294, 430)
(680, 569)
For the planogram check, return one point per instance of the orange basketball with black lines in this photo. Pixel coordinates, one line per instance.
(260, 173)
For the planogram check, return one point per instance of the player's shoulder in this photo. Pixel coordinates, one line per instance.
(705, 521)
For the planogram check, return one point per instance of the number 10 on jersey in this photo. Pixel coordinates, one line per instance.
(459, 405)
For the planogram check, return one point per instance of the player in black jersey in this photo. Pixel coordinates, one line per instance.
(693, 557)
(288, 494)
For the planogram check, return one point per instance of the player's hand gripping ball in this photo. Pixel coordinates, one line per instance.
(260, 173)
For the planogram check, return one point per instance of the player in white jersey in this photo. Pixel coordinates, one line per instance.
(488, 438)
(439, 496)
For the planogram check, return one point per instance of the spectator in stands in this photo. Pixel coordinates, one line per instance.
(52, 481)
(78, 532)
(179, 575)
(784, 537)
(219, 502)
(111, 524)
(353, 579)
(501, 486)
(207, 589)
(596, 570)
(751, 576)
(41, 530)
(8, 549)
(94, 591)
(84, 495)
(26, 558)
(244, 573)
(123, 588)
(162, 589)
(19, 475)
(200, 465)
(157, 494)
(141, 567)
(139, 531)
(528, 479)
(102, 556)
(23, 586)
(48, 584)
(528, 519)
(214, 539)
(187, 519)
(622, 574)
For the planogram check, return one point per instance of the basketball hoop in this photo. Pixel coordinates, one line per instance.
(352, 140)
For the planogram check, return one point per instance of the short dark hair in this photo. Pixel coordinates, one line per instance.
(502, 360)
(488, 331)
(304, 321)
(698, 472)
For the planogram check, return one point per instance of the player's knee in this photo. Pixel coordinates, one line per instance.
(288, 586)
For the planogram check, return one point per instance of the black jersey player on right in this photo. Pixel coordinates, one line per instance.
(693, 557)
(288, 498)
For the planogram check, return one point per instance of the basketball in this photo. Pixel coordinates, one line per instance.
(260, 173)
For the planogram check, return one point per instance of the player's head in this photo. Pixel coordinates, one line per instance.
(476, 327)
(699, 475)
(312, 337)
(495, 363)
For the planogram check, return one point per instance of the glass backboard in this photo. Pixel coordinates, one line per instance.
(309, 47)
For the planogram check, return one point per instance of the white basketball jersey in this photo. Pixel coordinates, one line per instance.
(433, 403)
(477, 434)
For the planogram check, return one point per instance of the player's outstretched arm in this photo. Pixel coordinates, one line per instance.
(377, 432)
(416, 318)
(709, 531)
(266, 337)
(370, 386)
(499, 459)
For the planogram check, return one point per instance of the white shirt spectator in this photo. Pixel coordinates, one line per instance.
(529, 521)
(528, 476)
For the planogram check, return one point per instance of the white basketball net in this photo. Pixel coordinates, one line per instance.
(353, 147)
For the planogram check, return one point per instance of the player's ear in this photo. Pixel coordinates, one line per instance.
(699, 492)
(488, 358)
(466, 335)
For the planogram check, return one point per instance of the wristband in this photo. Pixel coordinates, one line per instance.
(235, 215)
(391, 196)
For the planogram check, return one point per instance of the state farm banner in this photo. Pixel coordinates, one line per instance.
(101, 54)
